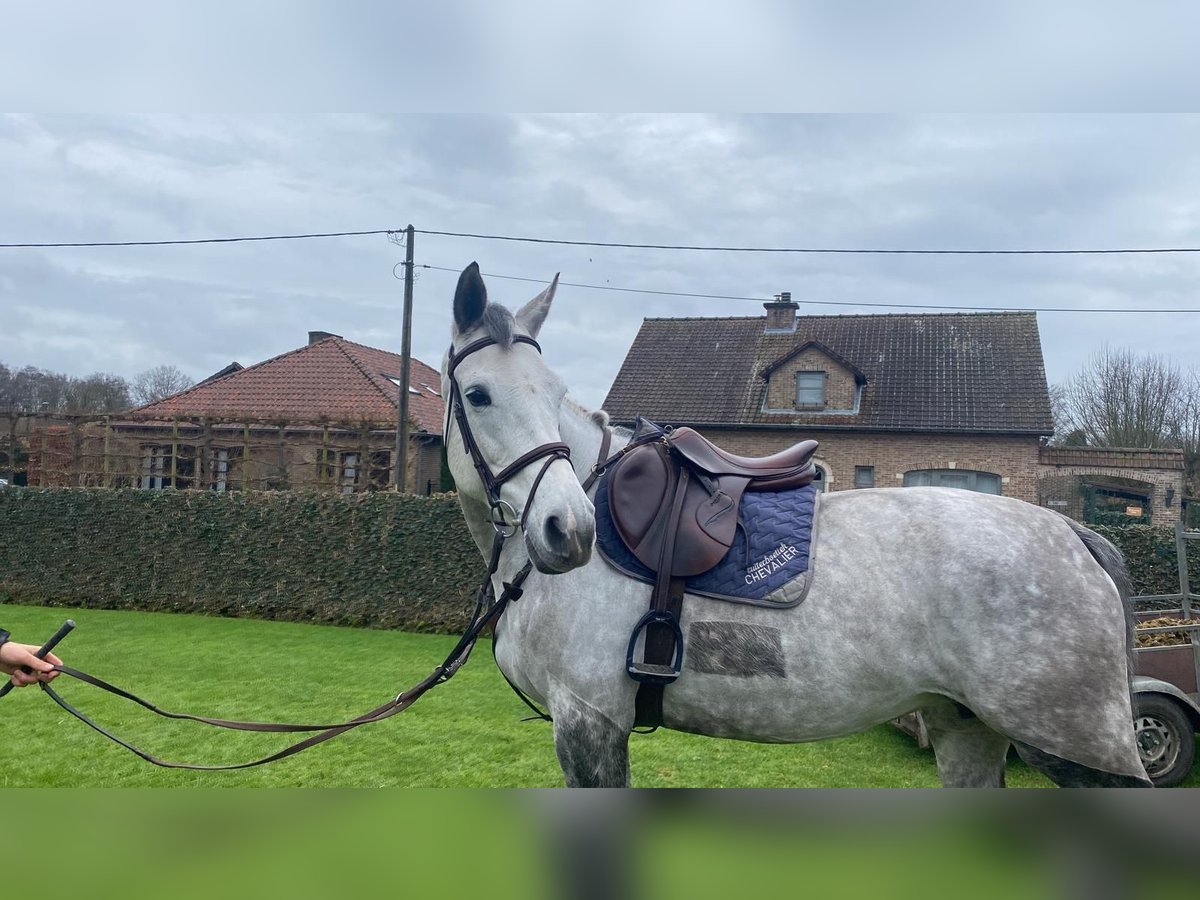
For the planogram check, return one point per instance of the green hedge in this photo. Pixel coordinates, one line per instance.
(1150, 554)
(382, 559)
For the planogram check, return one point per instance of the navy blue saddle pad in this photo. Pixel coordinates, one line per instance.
(768, 564)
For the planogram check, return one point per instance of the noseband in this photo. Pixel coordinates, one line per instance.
(492, 483)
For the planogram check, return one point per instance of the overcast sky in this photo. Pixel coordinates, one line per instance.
(906, 182)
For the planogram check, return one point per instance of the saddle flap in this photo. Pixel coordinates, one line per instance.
(708, 525)
(641, 488)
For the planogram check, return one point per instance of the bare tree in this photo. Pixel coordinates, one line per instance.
(158, 384)
(1123, 399)
(99, 392)
(1185, 428)
(1065, 433)
(39, 391)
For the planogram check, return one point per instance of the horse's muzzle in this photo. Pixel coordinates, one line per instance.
(561, 546)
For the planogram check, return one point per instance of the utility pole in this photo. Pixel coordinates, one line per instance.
(401, 478)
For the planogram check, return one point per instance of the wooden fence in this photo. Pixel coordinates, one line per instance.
(210, 453)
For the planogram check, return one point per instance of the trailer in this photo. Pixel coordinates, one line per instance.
(1166, 681)
(1165, 684)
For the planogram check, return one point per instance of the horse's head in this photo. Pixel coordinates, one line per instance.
(502, 435)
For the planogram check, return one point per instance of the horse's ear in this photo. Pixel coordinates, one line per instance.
(533, 313)
(470, 299)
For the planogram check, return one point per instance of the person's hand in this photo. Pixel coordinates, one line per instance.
(14, 655)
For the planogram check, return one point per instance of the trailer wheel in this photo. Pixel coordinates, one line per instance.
(1165, 739)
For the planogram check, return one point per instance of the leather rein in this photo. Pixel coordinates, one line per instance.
(488, 607)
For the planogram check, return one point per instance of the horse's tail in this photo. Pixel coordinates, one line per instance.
(1112, 561)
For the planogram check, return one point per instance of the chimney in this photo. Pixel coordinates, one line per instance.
(781, 313)
(314, 336)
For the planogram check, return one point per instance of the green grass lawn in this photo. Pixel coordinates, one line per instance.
(467, 733)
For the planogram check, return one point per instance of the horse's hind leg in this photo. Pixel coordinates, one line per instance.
(592, 749)
(968, 752)
(1065, 773)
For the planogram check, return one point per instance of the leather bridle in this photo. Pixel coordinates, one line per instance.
(492, 483)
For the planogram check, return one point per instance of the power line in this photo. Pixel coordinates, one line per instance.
(631, 246)
(871, 304)
(223, 240)
(611, 244)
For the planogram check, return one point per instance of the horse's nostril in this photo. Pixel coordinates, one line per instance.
(556, 534)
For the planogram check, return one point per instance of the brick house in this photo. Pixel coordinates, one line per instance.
(950, 399)
(943, 399)
(323, 415)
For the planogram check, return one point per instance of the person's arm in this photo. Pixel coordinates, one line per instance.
(14, 656)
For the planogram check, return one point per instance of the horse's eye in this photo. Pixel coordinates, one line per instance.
(478, 397)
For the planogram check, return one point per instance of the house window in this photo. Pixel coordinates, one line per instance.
(966, 479)
(152, 468)
(864, 476)
(358, 473)
(157, 467)
(379, 475)
(223, 473)
(348, 466)
(810, 388)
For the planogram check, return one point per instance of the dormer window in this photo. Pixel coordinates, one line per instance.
(812, 380)
(810, 389)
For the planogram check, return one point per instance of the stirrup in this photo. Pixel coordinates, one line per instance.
(655, 673)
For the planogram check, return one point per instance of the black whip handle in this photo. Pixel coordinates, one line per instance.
(62, 632)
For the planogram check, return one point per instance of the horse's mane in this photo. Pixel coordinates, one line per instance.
(597, 416)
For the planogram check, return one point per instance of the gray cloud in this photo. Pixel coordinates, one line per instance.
(896, 181)
(545, 54)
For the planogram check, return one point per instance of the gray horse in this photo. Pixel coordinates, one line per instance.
(1002, 622)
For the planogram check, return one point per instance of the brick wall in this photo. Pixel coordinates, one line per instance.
(50, 456)
(1065, 471)
(1013, 457)
(840, 388)
(1048, 476)
(425, 466)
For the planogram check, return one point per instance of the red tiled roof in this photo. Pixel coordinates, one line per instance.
(928, 372)
(332, 378)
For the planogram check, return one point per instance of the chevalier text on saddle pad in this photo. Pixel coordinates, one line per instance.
(767, 565)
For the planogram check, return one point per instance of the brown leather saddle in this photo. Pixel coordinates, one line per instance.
(674, 500)
(684, 468)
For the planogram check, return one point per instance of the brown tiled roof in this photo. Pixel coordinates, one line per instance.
(817, 345)
(332, 378)
(925, 372)
(1116, 457)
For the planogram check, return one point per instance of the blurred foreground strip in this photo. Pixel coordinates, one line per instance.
(658, 845)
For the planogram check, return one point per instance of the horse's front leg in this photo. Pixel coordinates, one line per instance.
(592, 749)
